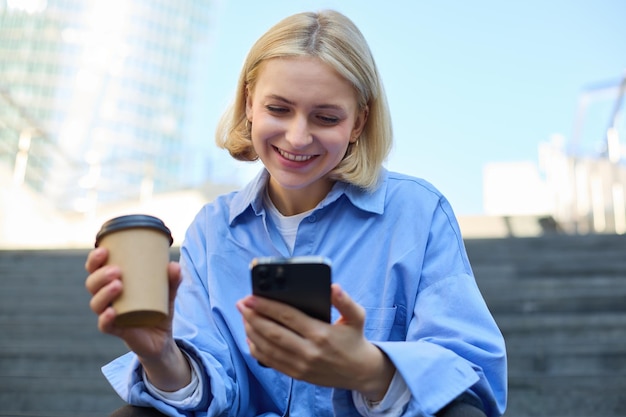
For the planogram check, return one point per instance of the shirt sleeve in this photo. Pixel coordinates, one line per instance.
(393, 403)
(453, 345)
(186, 397)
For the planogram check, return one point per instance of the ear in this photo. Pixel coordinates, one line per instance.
(359, 124)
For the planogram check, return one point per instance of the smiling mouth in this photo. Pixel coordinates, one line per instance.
(293, 157)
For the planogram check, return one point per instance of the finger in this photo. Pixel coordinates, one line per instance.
(96, 259)
(106, 321)
(103, 298)
(101, 277)
(256, 342)
(259, 328)
(269, 341)
(279, 348)
(174, 278)
(270, 353)
(281, 313)
(350, 311)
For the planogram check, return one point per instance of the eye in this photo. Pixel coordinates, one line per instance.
(276, 109)
(329, 120)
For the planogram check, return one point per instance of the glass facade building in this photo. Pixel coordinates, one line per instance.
(94, 95)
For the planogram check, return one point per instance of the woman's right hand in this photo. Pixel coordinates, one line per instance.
(105, 285)
(163, 361)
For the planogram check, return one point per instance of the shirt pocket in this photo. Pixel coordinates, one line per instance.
(379, 322)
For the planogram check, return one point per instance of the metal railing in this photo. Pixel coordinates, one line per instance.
(34, 158)
(25, 146)
(590, 188)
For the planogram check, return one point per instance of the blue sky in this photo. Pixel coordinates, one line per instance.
(468, 83)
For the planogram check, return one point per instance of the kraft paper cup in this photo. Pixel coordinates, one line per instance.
(140, 245)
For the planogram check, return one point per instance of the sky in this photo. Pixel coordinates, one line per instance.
(468, 82)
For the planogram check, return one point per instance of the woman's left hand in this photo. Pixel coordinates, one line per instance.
(304, 348)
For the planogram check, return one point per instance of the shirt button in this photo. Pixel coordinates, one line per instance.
(312, 218)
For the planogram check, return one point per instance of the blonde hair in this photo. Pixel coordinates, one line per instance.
(334, 39)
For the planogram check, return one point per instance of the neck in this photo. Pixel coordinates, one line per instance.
(290, 202)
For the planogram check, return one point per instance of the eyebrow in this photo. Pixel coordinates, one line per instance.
(291, 103)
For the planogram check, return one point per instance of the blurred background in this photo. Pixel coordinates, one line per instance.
(515, 111)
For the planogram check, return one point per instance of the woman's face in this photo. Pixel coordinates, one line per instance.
(304, 115)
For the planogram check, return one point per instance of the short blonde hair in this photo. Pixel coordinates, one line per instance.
(333, 38)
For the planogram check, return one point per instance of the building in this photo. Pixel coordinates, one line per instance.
(578, 186)
(94, 94)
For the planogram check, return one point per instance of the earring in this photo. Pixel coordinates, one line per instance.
(248, 124)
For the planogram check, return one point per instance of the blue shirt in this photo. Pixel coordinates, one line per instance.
(397, 251)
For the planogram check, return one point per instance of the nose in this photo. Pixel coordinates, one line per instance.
(298, 134)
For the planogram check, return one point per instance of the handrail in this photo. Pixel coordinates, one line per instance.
(34, 171)
(35, 128)
(618, 102)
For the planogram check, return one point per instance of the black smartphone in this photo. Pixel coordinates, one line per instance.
(301, 281)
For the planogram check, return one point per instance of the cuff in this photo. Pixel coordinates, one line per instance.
(393, 403)
(186, 397)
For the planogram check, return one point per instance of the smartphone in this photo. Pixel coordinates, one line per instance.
(301, 281)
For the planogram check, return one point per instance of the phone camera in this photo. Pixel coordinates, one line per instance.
(265, 283)
(280, 279)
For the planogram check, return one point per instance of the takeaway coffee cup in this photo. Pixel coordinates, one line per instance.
(140, 245)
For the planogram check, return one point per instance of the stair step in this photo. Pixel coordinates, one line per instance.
(61, 395)
(59, 359)
(571, 396)
(574, 300)
(559, 301)
(549, 329)
(582, 360)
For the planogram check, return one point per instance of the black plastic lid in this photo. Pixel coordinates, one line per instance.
(132, 221)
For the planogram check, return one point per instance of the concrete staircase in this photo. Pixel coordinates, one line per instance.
(561, 304)
(559, 300)
(50, 348)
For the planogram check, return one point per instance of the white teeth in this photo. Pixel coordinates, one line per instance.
(292, 157)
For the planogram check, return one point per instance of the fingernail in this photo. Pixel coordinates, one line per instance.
(111, 270)
(341, 294)
(250, 301)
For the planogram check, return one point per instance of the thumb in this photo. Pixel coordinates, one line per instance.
(174, 279)
(351, 312)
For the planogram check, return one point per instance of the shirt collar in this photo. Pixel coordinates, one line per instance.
(252, 196)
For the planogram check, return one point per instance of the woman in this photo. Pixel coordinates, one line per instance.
(410, 335)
